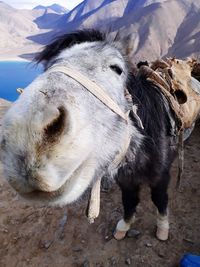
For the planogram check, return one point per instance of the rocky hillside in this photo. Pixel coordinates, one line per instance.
(55, 7)
(160, 27)
(163, 27)
(14, 26)
(17, 27)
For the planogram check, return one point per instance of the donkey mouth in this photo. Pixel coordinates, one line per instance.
(37, 195)
(69, 191)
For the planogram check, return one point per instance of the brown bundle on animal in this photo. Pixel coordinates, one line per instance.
(196, 71)
(173, 78)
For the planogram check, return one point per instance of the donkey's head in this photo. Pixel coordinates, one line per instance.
(58, 137)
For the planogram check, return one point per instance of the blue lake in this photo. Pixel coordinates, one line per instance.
(16, 74)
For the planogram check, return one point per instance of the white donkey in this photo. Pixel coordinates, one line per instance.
(61, 135)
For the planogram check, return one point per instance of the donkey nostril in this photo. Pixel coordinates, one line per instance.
(55, 128)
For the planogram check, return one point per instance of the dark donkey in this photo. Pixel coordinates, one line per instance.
(58, 138)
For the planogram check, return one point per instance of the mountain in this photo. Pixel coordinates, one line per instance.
(55, 7)
(39, 7)
(58, 8)
(159, 27)
(16, 25)
(90, 13)
(187, 41)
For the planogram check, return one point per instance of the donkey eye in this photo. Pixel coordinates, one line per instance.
(116, 69)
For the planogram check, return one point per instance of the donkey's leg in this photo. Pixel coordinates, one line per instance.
(130, 199)
(160, 199)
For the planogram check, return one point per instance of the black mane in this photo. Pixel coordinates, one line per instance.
(142, 63)
(68, 40)
(151, 107)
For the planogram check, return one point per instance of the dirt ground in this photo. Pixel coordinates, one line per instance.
(45, 236)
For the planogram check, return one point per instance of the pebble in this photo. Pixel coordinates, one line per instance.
(149, 245)
(50, 212)
(188, 240)
(133, 233)
(16, 238)
(108, 237)
(4, 230)
(77, 249)
(45, 244)
(113, 261)
(128, 261)
(161, 254)
(86, 263)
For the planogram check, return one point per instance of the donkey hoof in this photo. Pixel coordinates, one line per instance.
(119, 235)
(162, 233)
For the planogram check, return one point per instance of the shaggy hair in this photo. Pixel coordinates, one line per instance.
(154, 155)
(52, 50)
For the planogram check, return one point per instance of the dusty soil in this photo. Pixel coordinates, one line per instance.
(45, 236)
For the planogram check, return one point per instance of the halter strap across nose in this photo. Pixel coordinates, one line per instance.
(92, 87)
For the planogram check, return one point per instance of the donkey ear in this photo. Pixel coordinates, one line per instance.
(128, 45)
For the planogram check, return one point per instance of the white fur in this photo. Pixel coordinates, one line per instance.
(163, 221)
(93, 134)
(162, 232)
(124, 226)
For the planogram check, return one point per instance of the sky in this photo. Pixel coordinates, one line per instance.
(29, 4)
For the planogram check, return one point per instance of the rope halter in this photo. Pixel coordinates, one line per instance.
(92, 87)
(99, 93)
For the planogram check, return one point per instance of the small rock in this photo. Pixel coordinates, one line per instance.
(16, 238)
(50, 212)
(48, 244)
(133, 233)
(188, 240)
(113, 261)
(128, 261)
(161, 254)
(108, 237)
(77, 249)
(149, 245)
(45, 244)
(86, 263)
